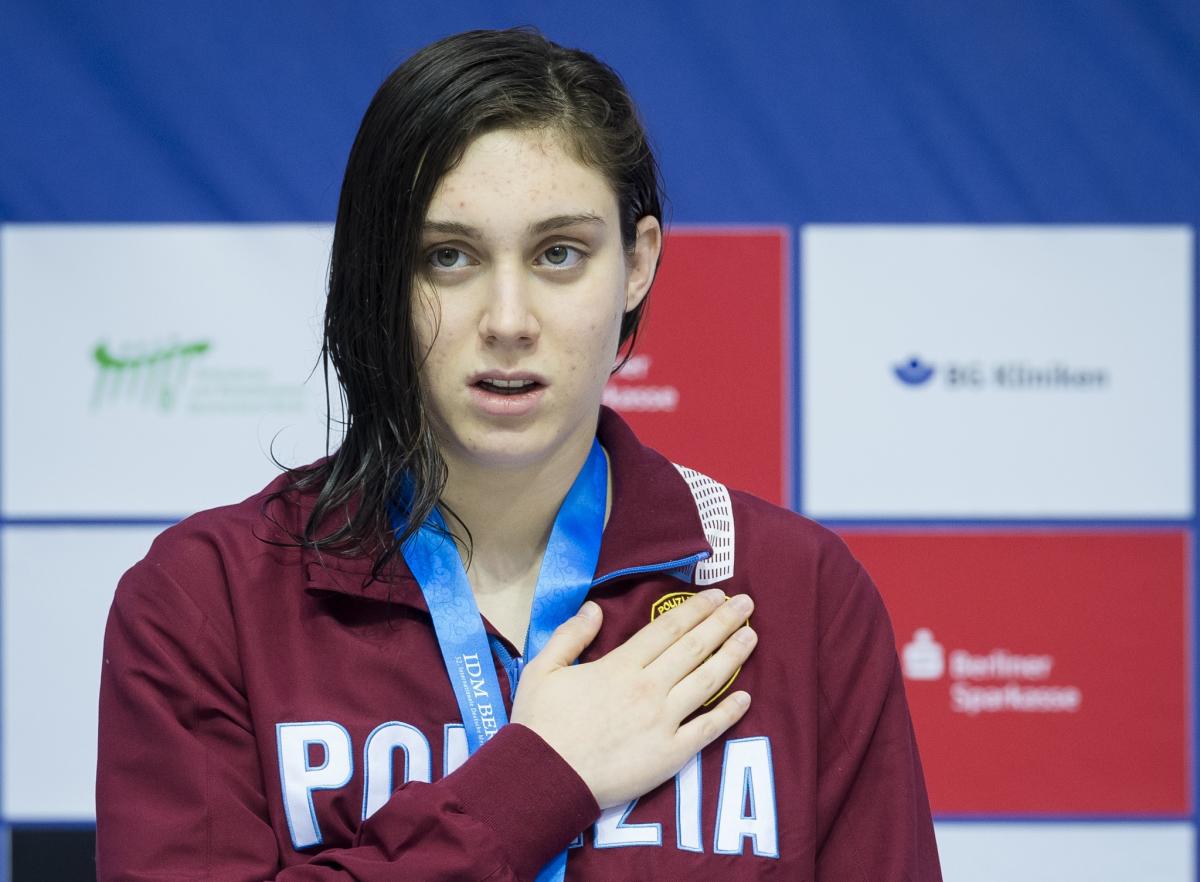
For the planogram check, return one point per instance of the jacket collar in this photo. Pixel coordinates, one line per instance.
(654, 519)
(653, 522)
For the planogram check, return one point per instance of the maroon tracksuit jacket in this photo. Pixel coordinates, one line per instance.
(258, 702)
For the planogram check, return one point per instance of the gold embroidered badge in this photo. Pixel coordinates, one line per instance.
(669, 602)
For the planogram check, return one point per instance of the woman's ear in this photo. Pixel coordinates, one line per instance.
(643, 262)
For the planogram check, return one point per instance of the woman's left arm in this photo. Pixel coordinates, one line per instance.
(874, 821)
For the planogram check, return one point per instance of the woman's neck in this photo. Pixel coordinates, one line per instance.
(509, 513)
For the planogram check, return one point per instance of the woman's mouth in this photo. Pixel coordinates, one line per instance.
(507, 396)
(508, 387)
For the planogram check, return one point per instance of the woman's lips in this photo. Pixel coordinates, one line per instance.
(506, 402)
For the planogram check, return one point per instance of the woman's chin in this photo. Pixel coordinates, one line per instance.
(506, 451)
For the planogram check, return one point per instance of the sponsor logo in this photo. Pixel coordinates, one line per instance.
(629, 391)
(152, 376)
(913, 372)
(1011, 375)
(669, 602)
(186, 376)
(924, 658)
(997, 681)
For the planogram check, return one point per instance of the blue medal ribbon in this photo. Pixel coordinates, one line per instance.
(568, 566)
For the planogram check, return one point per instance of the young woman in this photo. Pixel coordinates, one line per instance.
(493, 636)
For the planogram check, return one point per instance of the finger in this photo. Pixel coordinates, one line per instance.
(712, 675)
(648, 643)
(697, 734)
(570, 638)
(689, 651)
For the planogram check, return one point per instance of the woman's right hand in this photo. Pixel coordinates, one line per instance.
(618, 721)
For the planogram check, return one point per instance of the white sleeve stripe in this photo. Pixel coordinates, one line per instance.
(716, 516)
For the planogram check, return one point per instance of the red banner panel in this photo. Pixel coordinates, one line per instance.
(1047, 670)
(706, 385)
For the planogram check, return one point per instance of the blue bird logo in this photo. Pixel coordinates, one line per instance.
(913, 372)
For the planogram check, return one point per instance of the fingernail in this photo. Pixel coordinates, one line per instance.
(741, 699)
(589, 610)
(713, 595)
(747, 636)
(743, 603)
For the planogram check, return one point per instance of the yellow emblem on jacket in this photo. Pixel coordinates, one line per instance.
(672, 600)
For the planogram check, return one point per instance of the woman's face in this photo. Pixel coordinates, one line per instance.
(519, 298)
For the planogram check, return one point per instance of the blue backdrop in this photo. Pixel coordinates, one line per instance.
(1076, 111)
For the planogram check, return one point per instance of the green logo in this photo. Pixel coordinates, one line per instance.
(149, 376)
(186, 378)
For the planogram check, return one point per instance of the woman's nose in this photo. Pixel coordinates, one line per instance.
(507, 316)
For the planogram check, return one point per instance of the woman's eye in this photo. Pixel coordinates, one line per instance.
(447, 258)
(561, 256)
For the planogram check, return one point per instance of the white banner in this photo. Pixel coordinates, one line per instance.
(1059, 852)
(148, 369)
(995, 371)
(58, 585)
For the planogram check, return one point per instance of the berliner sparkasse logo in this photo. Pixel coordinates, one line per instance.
(1013, 374)
(994, 681)
(630, 389)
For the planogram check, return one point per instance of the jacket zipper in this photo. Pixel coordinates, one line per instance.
(513, 666)
(654, 568)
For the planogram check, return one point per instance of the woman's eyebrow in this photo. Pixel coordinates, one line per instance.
(449, 228)
(565, 220)
(558, 221)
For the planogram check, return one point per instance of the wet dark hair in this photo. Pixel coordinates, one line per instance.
(416, 128)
